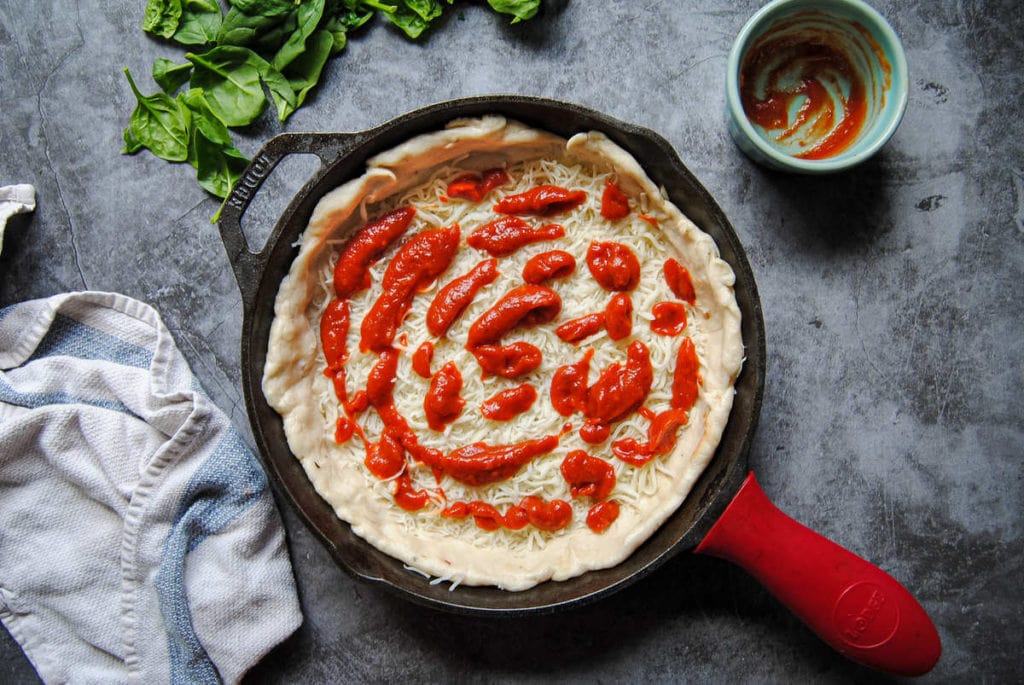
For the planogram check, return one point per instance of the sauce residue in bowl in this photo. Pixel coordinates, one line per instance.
(812, 82)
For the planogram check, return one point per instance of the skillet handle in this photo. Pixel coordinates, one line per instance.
(247, 264)
(854, 606)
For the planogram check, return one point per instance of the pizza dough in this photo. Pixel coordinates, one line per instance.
(332, 427)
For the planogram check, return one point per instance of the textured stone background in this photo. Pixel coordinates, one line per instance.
(892, 297)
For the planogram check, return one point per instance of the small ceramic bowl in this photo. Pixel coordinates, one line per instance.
(815, 86)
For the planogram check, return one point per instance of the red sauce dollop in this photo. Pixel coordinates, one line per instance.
(453, 298)
(686, 377)
(661, 438)
(334, 327)
(678, 279)
(594, 432)
(385, 459)
(618, 316)
(569, 386)
(422, 358)
(542, 201)
(614, 203)
(442, 403)
(577, 329)
(508, 361)
(549, 516)
(416, 265)
(351, 273)
(621, 389)
(613, 266)
(669, 318)
(602, 515)
(549, 265)
(408, 497)
(507, 404)
(502, 237)
(481, 464)
(476, 186)
(588, 476)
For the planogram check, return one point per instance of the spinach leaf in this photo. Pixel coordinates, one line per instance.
(281, 92)
(340, 19)
(230, 77)
(304, 73)
(521, 10)
(200, 22)
(239, 28)
(266, 8)
(308, 17)
(170, 76)
(161, 17)
(414, 16)
(203, 119)
(218, 167)
(157, 123)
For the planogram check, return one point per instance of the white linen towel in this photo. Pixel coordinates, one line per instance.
(15, 199)
(139, 541)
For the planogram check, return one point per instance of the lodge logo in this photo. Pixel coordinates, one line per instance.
(864, 616)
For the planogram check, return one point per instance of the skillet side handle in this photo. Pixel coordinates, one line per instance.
(854, 606)
(247, 264)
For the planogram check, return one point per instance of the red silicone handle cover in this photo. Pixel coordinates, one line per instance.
(854, 606)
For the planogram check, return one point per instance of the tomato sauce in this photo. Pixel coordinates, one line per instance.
(386, 459)
(442, 404)
(579, 329)
(482, 464)
(508, 404)
(618, 391)
(614, 202)
(569, 386)
(806, 91)
(588, 476)
(408, 497)
(474, 187)
(544, 200)
(621, 389)
(453, 298)
(613, 266)
(416, 265)
(549, 265)
(679, 282)
(422, 358)
(618, 316)
(669, 318)
(602, 515)
(686, 376)
(352, 272)
(502, 237)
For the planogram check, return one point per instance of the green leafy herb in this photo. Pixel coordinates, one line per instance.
(280, 47)
(230, 76)
(161, 17)
(307, 18)
(200, 23)
(170, 76)
(158, 124)
(521, 10)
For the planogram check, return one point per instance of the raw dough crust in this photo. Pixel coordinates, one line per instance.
(294, 383)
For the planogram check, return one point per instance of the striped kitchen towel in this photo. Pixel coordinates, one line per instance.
(139, 541)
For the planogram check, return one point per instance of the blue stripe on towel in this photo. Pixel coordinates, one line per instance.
(70, 338)
(35, 400)
(227, 484)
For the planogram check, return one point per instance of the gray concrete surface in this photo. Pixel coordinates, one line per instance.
(893, 419)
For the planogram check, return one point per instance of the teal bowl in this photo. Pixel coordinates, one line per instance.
(815, 86)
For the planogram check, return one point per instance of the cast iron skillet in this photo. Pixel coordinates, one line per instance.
(724, 515)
